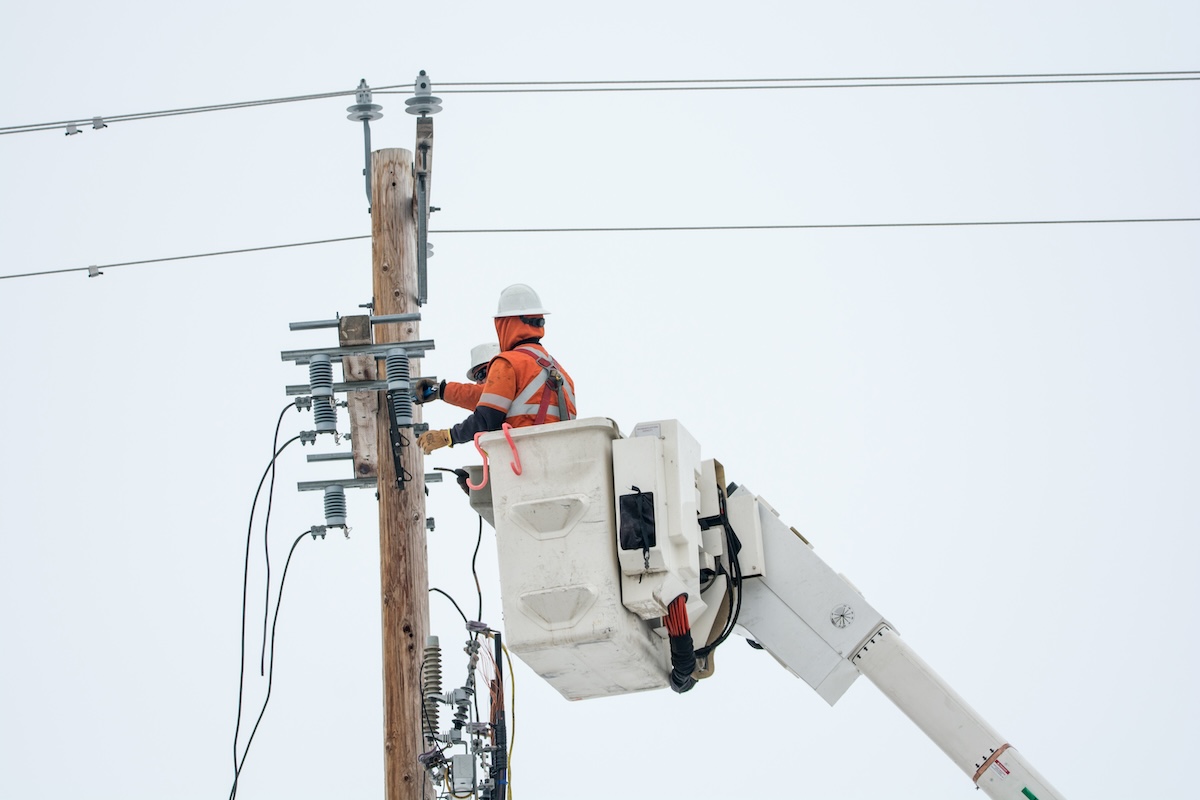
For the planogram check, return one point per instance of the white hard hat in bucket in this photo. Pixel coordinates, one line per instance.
(481, 356)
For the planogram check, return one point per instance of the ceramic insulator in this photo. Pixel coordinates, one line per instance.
(431, 685)
(335, 506)
(400, 386)
(320, 386)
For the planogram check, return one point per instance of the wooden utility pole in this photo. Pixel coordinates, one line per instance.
(404, 567)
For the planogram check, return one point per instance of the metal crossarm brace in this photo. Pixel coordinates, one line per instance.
(414, 349)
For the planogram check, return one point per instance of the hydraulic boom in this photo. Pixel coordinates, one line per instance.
(619, 555)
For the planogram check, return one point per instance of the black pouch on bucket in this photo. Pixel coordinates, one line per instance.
(636, 531)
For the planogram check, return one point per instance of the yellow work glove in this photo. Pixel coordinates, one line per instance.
(432, 440)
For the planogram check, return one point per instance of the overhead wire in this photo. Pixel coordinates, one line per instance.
(623, 229)
(174, 112)
(998, 76)
(637, 85)
(644, 85)
(830, 83)
(184, 258)
(812, 226)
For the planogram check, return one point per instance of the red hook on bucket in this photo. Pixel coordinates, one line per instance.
(516, 463)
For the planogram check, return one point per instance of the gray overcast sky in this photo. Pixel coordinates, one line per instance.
(991, 431)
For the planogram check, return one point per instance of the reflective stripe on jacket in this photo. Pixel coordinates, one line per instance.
(527, 386)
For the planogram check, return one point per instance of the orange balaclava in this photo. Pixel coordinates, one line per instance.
(512, 331)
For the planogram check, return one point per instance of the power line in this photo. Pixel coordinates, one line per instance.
(95, 269)
(803, 80)
(665, 85)
(815, 226)
(831, 83)
(174, 112)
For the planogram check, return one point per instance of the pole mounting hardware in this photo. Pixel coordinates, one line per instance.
(364, 110)
(423, 103)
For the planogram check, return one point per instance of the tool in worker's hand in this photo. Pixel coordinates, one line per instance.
(426, 389)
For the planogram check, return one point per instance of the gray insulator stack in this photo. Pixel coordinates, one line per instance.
(431, 687)
(462, 710)
(399, 386)
(335, 506)
(320, 385)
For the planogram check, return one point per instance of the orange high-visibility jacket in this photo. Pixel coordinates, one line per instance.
(521, 390)
(515, 385)
(463, 395)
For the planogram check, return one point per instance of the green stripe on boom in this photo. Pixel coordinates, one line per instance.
(1028, 793)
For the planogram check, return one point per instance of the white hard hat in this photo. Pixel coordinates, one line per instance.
(481, 356)
(517, 300)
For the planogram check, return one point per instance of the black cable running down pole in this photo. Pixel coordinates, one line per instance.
(237, 729)
(501, 761)
(262, 659)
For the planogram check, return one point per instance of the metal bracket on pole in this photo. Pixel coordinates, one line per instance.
(345, 483)
(341, 455)
(422, 233)
(363, 109)
(340, 387)
(415, 349)
(423, 104)
(384, 319)
(354, 483)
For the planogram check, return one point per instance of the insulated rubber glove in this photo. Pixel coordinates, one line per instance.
(427, 389)
(432, 440)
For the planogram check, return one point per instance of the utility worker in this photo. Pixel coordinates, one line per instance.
(465, 395)
(524, 385)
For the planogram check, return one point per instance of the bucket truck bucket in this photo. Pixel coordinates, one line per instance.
(559, 574)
